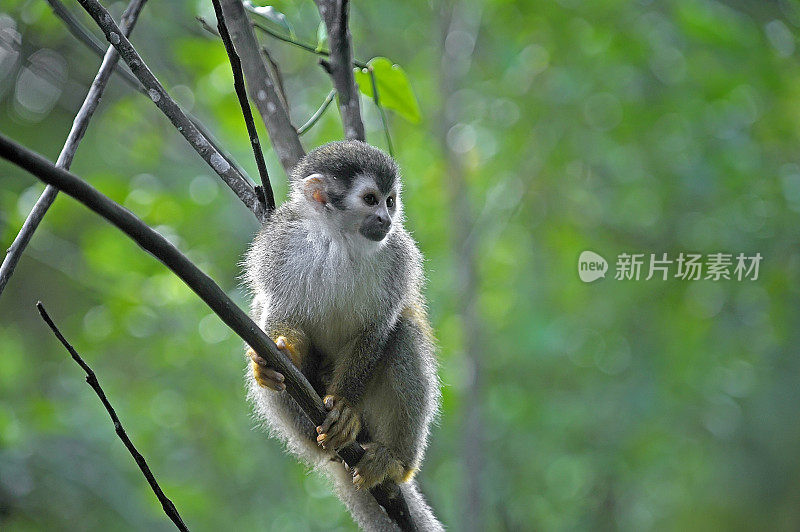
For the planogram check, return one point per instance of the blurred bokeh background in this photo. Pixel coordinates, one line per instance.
(547, 128)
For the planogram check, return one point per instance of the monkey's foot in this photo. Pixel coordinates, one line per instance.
(265, 376)
(377, 465)
(341, 426)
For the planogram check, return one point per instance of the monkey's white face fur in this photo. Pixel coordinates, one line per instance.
(360, 215)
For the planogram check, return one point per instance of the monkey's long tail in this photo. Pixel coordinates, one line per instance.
(369, 515)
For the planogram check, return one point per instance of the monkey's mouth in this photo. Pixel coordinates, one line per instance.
(375, 233)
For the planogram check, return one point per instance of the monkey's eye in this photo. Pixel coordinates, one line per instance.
(390, 201)
(370, 199)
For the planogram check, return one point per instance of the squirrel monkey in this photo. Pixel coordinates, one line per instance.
(337, 282)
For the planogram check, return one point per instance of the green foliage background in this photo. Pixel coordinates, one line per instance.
(613, 126)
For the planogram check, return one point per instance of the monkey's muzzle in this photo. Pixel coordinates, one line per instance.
(375, 228)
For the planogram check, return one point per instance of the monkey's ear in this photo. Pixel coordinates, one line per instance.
(314, 190)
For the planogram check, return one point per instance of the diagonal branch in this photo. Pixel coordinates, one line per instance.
(91, 380)
(317, 114)
(80, 32)
(232, 177)
(334, 14)
(90, 41)
(387, 494)
(275, 73)
(300, 44)
(261, 87)
(376, 98)
(79, 126)
(241, 93)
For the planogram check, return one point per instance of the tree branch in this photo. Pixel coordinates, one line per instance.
(241, 94)
(317, 114)
(377, 100)
(275, 73)
(261, 87)
(91, 380)
(387, 494)
(79, 126)
(232, 177)
(80, 32)
(206, 26)
(88, 39)
(334, 14)
(300, 44)
(274, 70)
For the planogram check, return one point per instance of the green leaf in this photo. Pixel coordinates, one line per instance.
(322, 37)
(272, 15)
(394, 88)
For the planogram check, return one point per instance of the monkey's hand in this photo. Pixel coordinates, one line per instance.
(378, 464)
(341, 426)
(265, 376)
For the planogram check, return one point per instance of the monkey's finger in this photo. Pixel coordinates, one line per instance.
(268, 378)
(328, 401)
(255, 358)
(271, 374)
(331, 418)
(263, 366)
(264, 372)
(272, 385)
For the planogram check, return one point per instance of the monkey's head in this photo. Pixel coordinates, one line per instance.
(352, 186)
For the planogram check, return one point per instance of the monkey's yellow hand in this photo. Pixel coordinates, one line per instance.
(265, 376)
(341, 426)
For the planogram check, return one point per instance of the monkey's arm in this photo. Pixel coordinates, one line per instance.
(353, 368)
(400, 403)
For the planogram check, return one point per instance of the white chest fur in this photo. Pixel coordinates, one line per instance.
(333, 284)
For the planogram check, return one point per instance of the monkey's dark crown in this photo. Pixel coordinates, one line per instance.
(346, 159)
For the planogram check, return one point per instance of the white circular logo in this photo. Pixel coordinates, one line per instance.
(591, 266)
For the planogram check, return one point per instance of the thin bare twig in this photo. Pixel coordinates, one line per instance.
(80, 32)
(377, 100)
(232, 177)
(261, 87)
(241, 94)
(387, 494)
(75, 27)
(79, 126)
(318, 113)
(335, 15)
(275, 72)
(206, 26)
(329, 69)
(300, 44)
(91, 380)
(91, 42)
